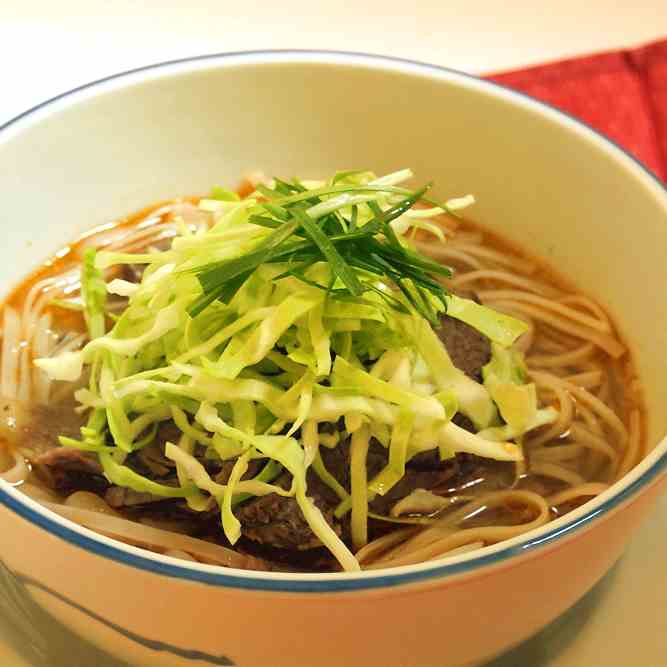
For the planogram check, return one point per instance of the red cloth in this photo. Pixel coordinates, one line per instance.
(621, 93)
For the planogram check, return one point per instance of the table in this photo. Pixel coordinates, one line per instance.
(47, 47)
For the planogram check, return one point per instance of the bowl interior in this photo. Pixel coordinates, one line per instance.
(540, 178)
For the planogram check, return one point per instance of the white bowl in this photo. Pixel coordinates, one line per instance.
(541, 178)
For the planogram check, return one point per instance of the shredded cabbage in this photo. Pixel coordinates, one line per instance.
(247, 348)
(94, 293)
(498, 327)
(504, 377)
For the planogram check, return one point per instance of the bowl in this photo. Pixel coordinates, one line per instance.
(541, 178)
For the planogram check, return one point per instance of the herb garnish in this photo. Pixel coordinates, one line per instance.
(322, 225)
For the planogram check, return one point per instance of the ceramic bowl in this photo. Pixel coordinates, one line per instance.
(540, 177)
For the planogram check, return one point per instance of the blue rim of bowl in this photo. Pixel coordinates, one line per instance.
(340, 582)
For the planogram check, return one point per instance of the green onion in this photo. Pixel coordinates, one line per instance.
(356, 250)
(338, 265)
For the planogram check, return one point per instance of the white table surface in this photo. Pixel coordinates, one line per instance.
(47, 47)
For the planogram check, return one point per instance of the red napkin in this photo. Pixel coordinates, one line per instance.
(621, 93)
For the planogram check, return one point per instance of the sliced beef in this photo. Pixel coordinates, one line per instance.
(151, 462)
(133, 273)
(66, 470)
(63, 469)
(119, 496)
(469, 350)
(71, 459)
(40, 432)
(277, 520)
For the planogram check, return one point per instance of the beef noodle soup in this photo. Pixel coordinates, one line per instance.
(310, 376)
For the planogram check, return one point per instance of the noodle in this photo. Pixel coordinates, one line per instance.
(587, 304)
(556, 454)
(10, 353)
(466, 548)
(373, 550)
(586, 380)
(633, 450)
(610, 345)
(486, 275)
(576, 492)
(582, 436)
(603, 411)
(446, 253)
(497, 257)
(557, 472)
(440, 539)
(572, 358)
(564, 360)
(155, 538)
(18, 469)
(42, 348)
(546, 304)
(566, 413)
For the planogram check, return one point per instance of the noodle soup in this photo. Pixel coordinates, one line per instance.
(372, 430)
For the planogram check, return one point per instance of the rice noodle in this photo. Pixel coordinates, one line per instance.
(90, 501)
(11, 331)
(156, 539)
(18, 469)
(39, 493)
(25, 373)
(36, 291)
(181, 555)
(142, 237)
(155, 228)
(41, 294)
(42, 347)
(466, 548)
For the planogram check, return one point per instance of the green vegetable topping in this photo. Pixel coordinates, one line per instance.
(303, 303)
